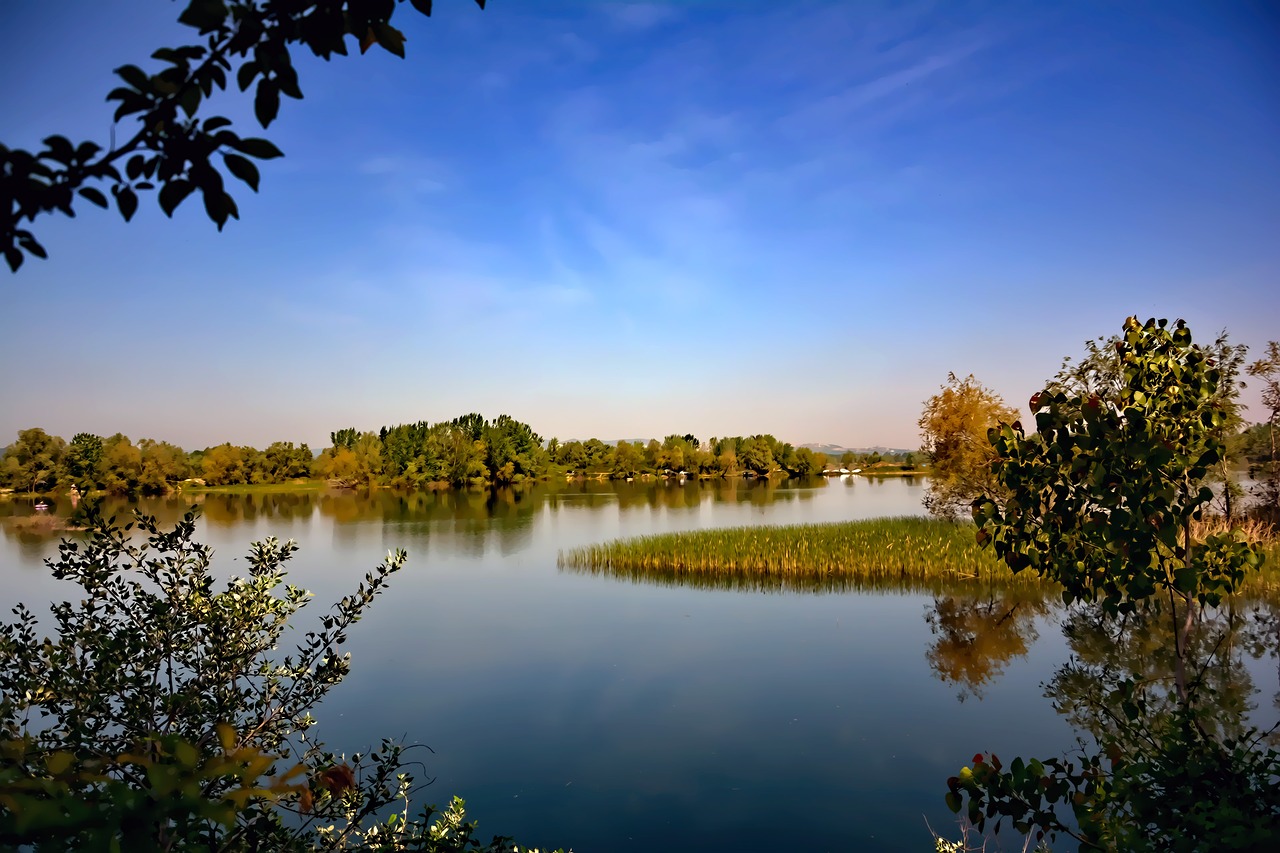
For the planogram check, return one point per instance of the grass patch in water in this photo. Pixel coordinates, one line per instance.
(909, 554)
(890, 554)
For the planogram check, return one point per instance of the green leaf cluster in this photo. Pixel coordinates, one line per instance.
(1101, 497)
(172, 148)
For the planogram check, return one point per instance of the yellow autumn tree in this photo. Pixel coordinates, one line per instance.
(953, 431)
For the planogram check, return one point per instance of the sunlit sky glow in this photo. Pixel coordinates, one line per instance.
(627, 220)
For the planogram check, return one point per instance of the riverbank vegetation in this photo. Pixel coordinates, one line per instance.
(468, 450)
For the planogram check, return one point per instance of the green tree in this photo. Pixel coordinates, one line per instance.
(282, 461)
(1268, 370)
(224, 465)
(754, 455)
(953, 429)
(84, 460)
(345, 437)
(34, 462)
(1101, 499)
(627, 459)
(122, 465)
(807, 463)
(170, 145)
(164, 465)
(1101, 372)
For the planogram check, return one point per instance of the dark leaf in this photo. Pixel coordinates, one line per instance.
(245, 75)
(255, 147)
(60, 149)
(424, 6)
(390, 39)
(86, 150)
(287, 79)
(218, 205)
(190, 100)
(243, 169)
(266, 103)
(13, 256)
(94, 195)
(204, 15)
(135, 77)
(172, 194)
(127, 202)
(29, 243)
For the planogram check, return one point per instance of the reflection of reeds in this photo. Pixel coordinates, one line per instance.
(41, 524)
(899, 554)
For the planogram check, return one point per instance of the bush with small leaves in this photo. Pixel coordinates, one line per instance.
(160, 714)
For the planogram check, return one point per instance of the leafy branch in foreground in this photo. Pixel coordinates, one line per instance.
(161, 714)
(1103, 499)
(173, 147)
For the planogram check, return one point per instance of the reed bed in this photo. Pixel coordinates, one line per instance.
(910, 554)
(885, 554)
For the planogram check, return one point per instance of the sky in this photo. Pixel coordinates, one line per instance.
(625, 220)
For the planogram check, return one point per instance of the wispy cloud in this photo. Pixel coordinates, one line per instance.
(638, 16)
(407, 175)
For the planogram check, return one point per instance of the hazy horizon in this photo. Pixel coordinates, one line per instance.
(623, 219)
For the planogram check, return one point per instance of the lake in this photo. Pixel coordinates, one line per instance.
(582, 711)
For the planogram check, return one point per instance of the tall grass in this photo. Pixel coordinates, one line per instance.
(910, 554)
(889, 554)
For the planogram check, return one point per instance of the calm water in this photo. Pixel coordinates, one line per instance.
(583, 711)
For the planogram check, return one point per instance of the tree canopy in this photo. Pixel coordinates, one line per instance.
(1103, 499)
(953, 429)
(170, 146)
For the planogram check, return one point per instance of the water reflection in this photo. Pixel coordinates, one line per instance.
(467, 512)
(1224, 650)
(977, 635)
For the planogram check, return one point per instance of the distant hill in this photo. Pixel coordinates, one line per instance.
(611, 442)
(839, 450)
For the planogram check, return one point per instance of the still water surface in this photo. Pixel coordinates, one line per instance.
(583, 711)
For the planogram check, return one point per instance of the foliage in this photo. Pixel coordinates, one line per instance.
(1102, 496)
(60, 800)
(174, 147)
(1101, 372)
(470, 450)
(1267, 467)
(953, 428)
(34, 461)
(1102, 499)
(159, 699)
(84, 458)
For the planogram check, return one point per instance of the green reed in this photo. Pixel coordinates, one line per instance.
(909, 554)
(889, 554)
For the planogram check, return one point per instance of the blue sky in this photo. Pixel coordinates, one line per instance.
(625, 219)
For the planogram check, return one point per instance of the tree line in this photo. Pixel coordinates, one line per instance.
(467, 450)
(956, 423)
